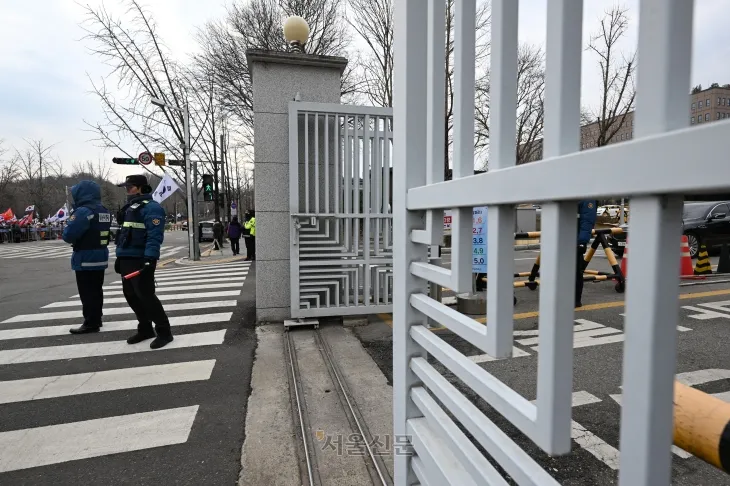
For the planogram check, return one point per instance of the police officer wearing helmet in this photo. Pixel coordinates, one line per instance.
(142, 228)
(88, 231)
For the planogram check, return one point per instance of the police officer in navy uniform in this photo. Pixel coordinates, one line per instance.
(88, 231)
(142, 228)
(586, 220)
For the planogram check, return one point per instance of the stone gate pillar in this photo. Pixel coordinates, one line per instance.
(279, 77)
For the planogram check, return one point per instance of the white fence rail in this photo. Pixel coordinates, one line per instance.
(341, 220)
(654, 172)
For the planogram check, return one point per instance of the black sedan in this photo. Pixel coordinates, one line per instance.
(704, 223)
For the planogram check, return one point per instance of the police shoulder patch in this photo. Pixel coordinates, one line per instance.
(590, 205)
(73, 216)
(155, 221)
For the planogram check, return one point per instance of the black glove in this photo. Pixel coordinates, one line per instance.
(118, 266)
(149, 264)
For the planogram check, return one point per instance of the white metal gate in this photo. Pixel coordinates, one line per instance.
(654, 171)
(341, 220)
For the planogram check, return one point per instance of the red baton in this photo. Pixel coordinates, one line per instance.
(132, 275)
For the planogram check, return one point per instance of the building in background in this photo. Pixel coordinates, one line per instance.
(705, 105)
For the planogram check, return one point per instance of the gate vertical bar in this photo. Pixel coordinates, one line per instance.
(463, 164)
(650, 351)
(367, 168)
(326, 163)
(502, 154)
(409, 118)
(562, 136)
(306, 163)
(293, 206)
(316, 164)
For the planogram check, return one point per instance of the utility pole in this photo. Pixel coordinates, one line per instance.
(224, 200)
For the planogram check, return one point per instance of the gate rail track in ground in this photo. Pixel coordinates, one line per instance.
(374, 463)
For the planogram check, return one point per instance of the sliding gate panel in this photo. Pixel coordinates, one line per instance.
(341, 222)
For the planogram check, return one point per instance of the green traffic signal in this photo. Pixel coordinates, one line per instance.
(125, 161)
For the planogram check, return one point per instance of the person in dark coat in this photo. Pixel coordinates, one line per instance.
(218, 234)
(139, 239)
(88, 231)
(234, 234)
(587, 210)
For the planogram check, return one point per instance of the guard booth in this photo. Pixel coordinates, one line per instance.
(427, 406)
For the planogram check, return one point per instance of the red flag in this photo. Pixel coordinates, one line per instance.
(27, 219)
(7, 215)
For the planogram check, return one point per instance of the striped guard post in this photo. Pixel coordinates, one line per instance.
(702, 425)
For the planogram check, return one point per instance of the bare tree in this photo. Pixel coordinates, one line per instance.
(373, 20)
(8, 174)
(38, 166)
(617, 75)
(98, 170)
(144, 69)
(530, 106)
(256, 24)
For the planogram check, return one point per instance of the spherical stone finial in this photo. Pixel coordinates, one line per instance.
(296, 32)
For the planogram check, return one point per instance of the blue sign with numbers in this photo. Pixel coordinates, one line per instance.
(479, 240)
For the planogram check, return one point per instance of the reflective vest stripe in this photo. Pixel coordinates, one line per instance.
(128, 224)
(104, 242)
(94, 264)
(104, 233)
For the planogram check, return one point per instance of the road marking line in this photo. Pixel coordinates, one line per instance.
(198, 277)
(207, 267)
(122, 300)
(118, 285)
(46, 331)
(103, 381)
(54, 444)
(483, 358)
(88, 350)
(388, 318)
(114, 311)
(176, 289)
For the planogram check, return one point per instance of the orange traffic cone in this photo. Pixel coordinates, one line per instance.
(686, 270)
(625, 260)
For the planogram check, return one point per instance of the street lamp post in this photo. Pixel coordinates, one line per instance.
(193, 245)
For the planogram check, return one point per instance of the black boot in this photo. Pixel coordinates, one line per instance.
(161, 341)
(141, 336)
(84, 329)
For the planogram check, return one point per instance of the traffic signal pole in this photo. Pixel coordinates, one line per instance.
(193, 244)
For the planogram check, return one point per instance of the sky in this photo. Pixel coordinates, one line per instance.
(45, 65)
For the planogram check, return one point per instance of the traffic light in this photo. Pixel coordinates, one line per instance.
(208, 194)
(125, 161)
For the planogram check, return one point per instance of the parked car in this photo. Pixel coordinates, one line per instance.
(705, 223)
(184, 225)
(206, 231)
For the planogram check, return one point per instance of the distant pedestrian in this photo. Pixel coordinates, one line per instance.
(234, 234)
(139, 239)
(88, 231)
(250, 225)
(218, 234)
(586, 220)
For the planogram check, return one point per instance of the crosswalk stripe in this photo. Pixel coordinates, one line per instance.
(122, 300)
(118, 285)
(210, 273)
(127, 325)
(178, 270)
(49, 316)
(103, 381)
(88, 350)
(178, 288)
(55, 444)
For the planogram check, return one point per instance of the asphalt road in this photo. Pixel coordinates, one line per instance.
(93, 410)
(704, 317)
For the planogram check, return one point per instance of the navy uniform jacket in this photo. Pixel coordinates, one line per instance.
(586, 220)
(87, 229)
(143, 229)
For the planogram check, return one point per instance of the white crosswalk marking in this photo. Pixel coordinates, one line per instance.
(101, 381)
(54, 444)
(50, 316)
(59, 249)
(128, 325)
(87, 350)
(195, 295)
(121, 300)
